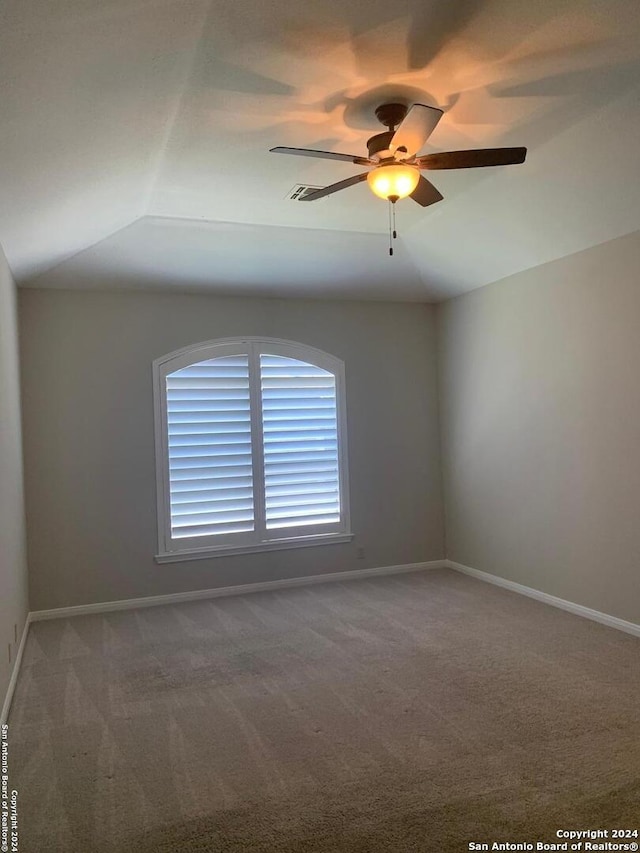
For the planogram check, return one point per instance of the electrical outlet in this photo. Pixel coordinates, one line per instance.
(360, 553)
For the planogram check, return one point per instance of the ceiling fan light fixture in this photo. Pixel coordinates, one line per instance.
(393, 181)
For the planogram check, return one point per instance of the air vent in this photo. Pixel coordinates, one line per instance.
(300, 191)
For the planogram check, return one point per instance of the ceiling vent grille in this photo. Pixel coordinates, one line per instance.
(300, 191)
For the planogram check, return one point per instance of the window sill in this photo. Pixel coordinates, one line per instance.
(274, 545)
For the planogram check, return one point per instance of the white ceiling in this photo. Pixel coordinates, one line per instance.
(135, 136)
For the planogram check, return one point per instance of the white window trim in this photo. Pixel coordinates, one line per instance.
(168, 552)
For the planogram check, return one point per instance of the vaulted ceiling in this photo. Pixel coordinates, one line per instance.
(135, 137)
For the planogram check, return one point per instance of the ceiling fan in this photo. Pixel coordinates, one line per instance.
(396, 172)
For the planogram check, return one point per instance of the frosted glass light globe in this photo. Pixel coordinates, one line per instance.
(394, 181)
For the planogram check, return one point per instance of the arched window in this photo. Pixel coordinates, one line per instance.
(250, 448)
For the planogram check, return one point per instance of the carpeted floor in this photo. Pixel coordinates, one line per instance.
(417, 712)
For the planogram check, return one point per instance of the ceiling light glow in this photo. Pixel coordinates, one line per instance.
(394, 181)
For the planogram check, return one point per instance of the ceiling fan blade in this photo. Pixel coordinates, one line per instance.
(334, 188)
(416, 127)
(324, 155)
(425, 193)
(472, 159)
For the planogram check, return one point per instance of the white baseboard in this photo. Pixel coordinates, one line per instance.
(4, 716)
(554, 601)
(219, 592)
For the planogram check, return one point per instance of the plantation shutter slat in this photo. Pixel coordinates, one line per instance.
(210, 456)
(209, 485)
(217, 529)
(300, 443)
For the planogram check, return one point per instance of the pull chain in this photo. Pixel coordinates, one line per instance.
(392, 223)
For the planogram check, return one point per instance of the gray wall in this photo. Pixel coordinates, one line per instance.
(540, 406)
(89, 450)
(13, 565)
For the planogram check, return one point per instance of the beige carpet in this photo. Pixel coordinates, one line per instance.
(410, 713)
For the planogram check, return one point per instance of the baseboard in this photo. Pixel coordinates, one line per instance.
(4, 716)
(220, 592)
(554, 601)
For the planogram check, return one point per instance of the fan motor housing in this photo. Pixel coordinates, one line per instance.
(390, 115)
(379, 142)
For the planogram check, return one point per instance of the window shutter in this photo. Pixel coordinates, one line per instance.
(209, 434)
(300, 440)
